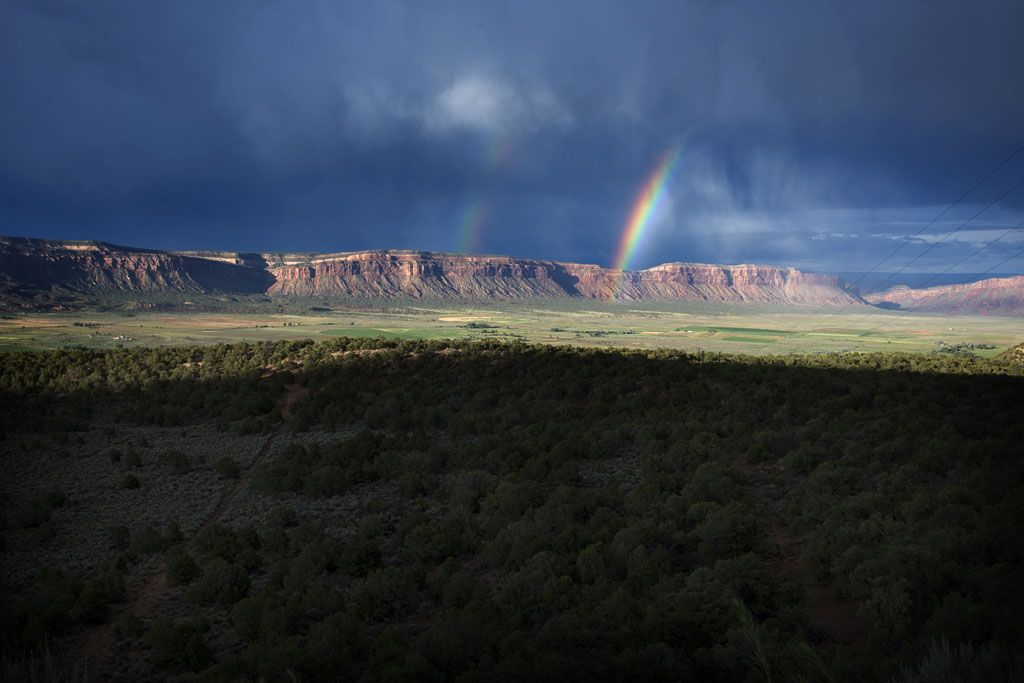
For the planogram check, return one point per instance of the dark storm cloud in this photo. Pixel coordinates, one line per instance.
(333, 125)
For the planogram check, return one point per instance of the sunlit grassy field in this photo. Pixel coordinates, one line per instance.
(734, 329)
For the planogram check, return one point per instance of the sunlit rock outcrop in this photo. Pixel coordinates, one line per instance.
(995, 296)
(33, 268)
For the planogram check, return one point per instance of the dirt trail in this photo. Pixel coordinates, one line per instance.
(837, 617)
(96, 642)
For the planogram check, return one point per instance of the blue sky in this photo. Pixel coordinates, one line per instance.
(821, 135)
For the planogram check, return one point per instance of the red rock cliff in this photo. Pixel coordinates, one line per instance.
(995, 296)
(30, 265)
(425, 274)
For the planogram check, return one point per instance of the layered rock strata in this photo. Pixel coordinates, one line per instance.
(994, 296)
(30, 266)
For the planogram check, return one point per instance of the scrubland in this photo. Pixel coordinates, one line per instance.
(386, 509)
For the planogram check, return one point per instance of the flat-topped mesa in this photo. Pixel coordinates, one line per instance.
(31, 266)
(994, 296)
(709, 282)
(375, 274)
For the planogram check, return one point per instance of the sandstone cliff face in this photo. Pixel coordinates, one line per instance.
(29, 266)
(424, 274)
(743, 283)
(995, 296)
(416, 274)
(92, 268)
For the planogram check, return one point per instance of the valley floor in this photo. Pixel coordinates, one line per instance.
(756, 330)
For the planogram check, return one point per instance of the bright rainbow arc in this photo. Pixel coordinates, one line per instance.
(645, 205)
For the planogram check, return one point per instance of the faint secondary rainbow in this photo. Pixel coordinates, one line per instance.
(471, 218)
(645, 205)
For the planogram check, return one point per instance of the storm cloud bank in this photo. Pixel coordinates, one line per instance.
(813, 134)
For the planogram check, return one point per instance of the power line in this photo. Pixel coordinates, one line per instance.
(973, 254)
(969, 256)
(941, 214)
(1006, 260)
(934, 245)
(926, 226)
(958, 229)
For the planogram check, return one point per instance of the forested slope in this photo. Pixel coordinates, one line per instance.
(509, 512)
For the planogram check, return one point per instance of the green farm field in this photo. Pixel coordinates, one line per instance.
(728, 329)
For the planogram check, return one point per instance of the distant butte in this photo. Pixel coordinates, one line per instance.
(995, 296)
(41, 273)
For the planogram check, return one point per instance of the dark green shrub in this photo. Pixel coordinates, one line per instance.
(55, 498)
(250, 425)
(177, 462)
(173, 533)
(230, 545)
(590, 564)
(115, 455)
(246, 617)
(179, 646)
(125, 559)
(181, 567)
(389, 592)
(964, 663)
(130, 482)
(120, 537)
(46, 532)
(326, 481)
(228, 468)
(133, 459)
(222, 583)
(149, 540)
(282, 516)
(129, 626)
(94, 600)
(31, 513)
(38, 663)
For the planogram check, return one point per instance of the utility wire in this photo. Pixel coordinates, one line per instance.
(926, 226)
(969, 256)
(958, 229)
(941, 213)
(934, 245)
(1006, 260)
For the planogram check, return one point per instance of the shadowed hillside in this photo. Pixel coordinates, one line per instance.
(377, 509)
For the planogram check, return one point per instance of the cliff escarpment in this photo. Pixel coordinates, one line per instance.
(33, 268)
(29, 267)
(995, 296)
(433, 275)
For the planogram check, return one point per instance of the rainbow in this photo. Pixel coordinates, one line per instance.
(471, 218)
(497, 150)
(645, 205)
